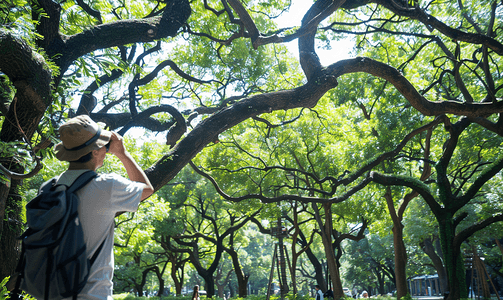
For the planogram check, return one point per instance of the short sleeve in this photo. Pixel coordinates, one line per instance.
(125, 194)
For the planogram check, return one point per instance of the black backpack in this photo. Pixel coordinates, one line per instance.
(53, 263)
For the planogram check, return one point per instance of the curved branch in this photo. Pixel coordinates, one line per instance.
(479, 182)
(360, 235)
(318, 12)
(419, 102)
(456, 34)
(416, 185)
(217, 13)
(395, 151)
(14, 175)
(265, 199)
(424, 175)
(123, 32)
(175, 132)
(152, 75)
(228, 41)
(467, 232)
(143, 119)
(88, 102)
(489, 125)
(94, 13)
(208, 130)
(246, 19)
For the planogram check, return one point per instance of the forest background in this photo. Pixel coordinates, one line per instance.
(381, 166)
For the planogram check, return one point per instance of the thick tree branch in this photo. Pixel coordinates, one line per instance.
(419, 102)
(467, 232)
(32, 77)
(48, 13)
(142, 119)
(123, 32)
(318, 12)
(246, 19)
(429, 20)
(489, 173)
(209, 129)
(416, 185)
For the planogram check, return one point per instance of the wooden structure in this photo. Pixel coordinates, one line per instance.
(280, 259)
(426, 285)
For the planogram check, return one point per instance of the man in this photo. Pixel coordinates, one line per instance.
(85, 146)
(319, 293)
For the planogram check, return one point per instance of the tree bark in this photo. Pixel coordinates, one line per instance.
(241, 277)
(326, 236)
(429, 249)
(12, 228)
(399, 249)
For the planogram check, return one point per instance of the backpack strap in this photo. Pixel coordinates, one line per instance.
(95, 255)
(48, 185)
(82, 180)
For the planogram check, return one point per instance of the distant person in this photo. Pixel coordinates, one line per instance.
(319, 293)
(329, 294)
(365, 294)
(195, 294)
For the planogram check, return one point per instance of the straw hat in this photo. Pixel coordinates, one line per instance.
(79, 136)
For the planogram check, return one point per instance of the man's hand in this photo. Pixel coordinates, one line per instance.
(116, 145)
(133, 170)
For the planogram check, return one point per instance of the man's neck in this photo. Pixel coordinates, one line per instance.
(90, 165)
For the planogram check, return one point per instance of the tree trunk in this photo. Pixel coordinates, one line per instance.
(12, 228)
(32, 80)
(241, 277)
(178, 286)
(454, 264)
(400, 262)
(380, 282)
(326, 238)
(209, 284)
(174, 268)
(139, 289)
(429, 249)
(318, 269)
(161, 287)
(242, 286)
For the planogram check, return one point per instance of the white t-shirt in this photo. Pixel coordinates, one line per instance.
(319, 295)
(99, 201)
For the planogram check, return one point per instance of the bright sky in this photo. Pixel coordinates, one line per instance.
(340, 50)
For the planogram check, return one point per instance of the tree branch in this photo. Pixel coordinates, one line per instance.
(123, 32)
(416, 185)
(423, 105)
(467, 232)
(418, 14)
